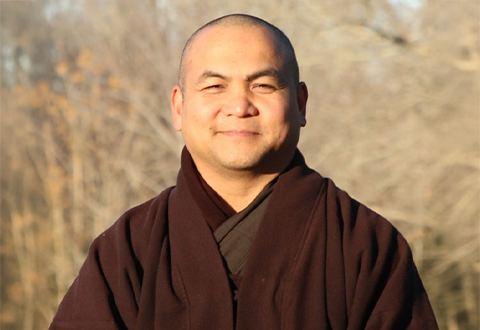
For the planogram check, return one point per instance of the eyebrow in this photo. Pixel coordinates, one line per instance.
(269, 72)
(210, 74)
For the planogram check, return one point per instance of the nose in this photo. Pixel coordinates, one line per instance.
(240, 105)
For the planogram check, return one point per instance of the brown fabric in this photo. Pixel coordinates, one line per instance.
(320, 260)
(214, 208)
(216, 211)
(236, 235)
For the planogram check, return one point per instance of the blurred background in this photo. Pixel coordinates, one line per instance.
(393, 118)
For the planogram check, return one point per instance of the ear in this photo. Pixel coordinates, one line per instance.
(176, 102)
(302, 97)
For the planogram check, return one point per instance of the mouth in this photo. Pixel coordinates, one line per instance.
(238, 133)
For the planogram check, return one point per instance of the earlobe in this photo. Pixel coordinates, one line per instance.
(176, 102)
(302, 97)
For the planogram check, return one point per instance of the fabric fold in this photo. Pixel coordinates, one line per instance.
(319, 260)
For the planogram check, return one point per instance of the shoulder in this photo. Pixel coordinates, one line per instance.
(133, 228)
(350, 209)
(357, 225)
(342, 213)
(140, 213)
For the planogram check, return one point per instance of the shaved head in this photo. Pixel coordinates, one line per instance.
(239, 103)
(243, 20)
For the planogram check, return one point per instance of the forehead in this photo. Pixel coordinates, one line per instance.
(235, 45)
(232, 32)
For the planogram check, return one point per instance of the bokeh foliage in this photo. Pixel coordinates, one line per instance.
(393, 118)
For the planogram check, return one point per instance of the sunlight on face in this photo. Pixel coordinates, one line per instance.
(239, 109)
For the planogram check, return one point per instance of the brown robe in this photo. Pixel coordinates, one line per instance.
(320, 260)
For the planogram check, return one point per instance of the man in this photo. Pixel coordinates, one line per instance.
(250, 238)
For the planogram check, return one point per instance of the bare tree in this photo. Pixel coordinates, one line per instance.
(86, 128)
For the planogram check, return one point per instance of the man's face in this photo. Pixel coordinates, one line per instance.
(240, 108)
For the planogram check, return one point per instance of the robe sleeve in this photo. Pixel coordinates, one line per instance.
(384, 289)
(105, 293)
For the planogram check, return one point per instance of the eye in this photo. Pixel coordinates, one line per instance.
(264, 88)
(213, 88)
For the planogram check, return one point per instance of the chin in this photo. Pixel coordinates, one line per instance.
(241, 161)
(260, 162)
(240, 165)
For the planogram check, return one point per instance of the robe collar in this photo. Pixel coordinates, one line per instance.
(272, 257)
(214, 208)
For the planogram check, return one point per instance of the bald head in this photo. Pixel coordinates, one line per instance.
(242, 20)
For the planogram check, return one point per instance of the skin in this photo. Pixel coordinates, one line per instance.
(239, 110)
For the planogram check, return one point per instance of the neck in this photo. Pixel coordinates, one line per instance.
(237, 189)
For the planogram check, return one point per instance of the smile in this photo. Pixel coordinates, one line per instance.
(238, 133)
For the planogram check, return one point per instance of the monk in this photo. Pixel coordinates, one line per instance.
(250, 237)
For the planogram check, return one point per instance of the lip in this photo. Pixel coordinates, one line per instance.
(238, 133)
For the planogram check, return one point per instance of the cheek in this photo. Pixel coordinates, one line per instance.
(203, 109)
(285, 115)
(279, 125)
(197, 120)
